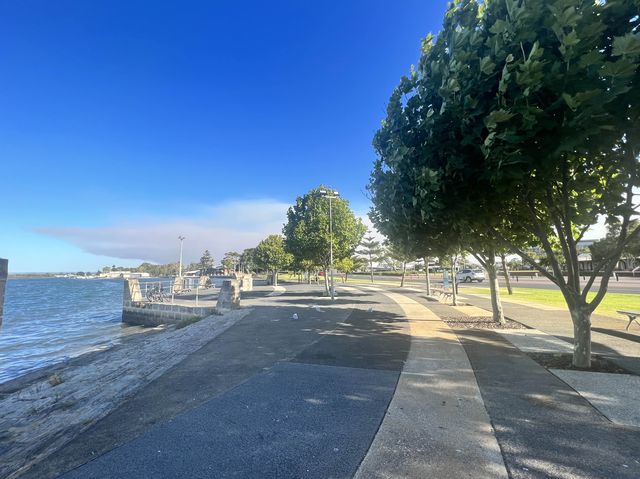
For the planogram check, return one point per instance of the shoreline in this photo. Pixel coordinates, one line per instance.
(44, 409)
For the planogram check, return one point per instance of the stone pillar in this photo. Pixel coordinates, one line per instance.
(246, 283)
(229, 296)
(132, 293)
(202, 282)
(4, 272)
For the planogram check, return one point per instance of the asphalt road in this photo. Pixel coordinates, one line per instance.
(622, 285)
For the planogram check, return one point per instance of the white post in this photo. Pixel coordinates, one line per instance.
(197, 289)
(181, 238)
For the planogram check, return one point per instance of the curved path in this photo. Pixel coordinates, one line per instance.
(271, 397)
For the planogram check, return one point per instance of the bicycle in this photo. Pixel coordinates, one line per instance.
(156, 294)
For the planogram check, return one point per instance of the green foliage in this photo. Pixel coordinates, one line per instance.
(520, 126)
(307, 228)
(603, 248)
(247, 260)
(271, 255)
(230, 260)
(159, 270)
(206, 262)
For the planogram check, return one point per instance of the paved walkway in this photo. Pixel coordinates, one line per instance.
(609, 337)
(436, 425)
(373, 385)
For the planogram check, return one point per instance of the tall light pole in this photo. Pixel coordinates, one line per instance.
(331, 195)
(181, 238)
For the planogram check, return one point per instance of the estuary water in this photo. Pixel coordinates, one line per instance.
(47, 321)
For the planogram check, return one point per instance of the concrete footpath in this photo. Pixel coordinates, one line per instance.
(609, 337)
(374, 385)
(436, 425)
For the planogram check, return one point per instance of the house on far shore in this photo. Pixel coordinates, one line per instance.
(585, 263)
(124, 274)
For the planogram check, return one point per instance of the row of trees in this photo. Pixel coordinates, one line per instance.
(518, 129)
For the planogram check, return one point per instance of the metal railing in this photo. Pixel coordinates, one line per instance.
(166, 291)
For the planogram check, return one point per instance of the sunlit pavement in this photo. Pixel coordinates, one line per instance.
(374, 385)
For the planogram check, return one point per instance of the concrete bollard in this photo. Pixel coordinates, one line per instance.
(246, 283)
(4, 272)
(132, 293)
(229, 296)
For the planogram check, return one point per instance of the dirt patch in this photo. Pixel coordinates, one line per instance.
(599, 364)
(481, 322)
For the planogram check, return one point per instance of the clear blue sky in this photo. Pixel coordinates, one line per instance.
(123, 123)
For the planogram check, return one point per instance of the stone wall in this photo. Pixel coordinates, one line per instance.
(4, 272)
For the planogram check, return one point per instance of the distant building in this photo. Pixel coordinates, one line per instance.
(124, 274)
(585, 263)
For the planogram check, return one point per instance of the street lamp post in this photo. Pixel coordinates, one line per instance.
(331, 195)
(181, 238)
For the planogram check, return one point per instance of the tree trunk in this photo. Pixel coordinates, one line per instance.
(326, 283)
(275, 277)
(494, 287)
(404, 273)
(426, 268)
(346, 277)
(581, 317)
(453, 284)
(371, 266)
(505, 271)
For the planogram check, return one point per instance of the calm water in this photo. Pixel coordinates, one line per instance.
(49, 320)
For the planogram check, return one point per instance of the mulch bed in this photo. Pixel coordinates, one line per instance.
(480, 322)
(599, 364)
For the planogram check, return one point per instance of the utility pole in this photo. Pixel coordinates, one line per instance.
(331, 195)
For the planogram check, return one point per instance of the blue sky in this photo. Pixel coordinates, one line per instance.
(126, 123)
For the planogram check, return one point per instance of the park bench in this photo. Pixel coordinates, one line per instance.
(632, 315)
(442, 294)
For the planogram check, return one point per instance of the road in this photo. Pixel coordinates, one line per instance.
(623, 285)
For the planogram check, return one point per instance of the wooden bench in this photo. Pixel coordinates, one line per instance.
(632, 315)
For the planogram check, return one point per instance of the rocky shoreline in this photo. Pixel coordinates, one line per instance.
(43, 410)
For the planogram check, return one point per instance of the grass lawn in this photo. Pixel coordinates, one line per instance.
(608, 307)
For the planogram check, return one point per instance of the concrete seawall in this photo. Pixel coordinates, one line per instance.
(4, 272)
(154, 314)
(136, 311)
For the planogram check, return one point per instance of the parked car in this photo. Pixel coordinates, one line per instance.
(469, 275)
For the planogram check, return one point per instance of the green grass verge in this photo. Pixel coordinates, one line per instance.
(611, 303)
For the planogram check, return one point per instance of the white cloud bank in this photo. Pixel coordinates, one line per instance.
(230, 226)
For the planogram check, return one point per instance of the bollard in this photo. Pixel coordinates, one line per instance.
(4, 272)
(229, 296)
(132, 293)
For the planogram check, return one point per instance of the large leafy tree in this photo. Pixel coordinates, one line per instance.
(307, 234)
(230, 260)
(270, 254)
(521, 127)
